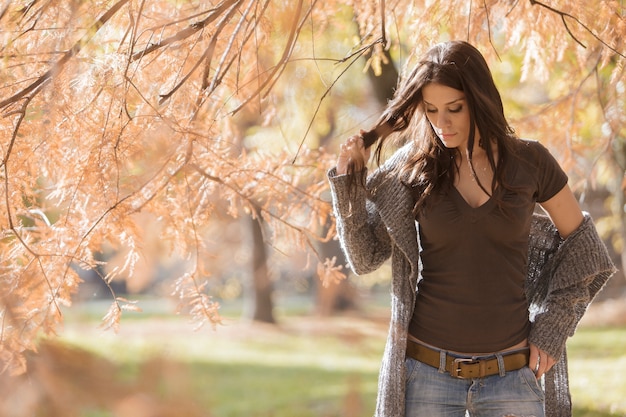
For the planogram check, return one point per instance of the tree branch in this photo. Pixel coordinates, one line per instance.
(383, 29)
(223, 66)
(293, 36)
(489, 31)
(208, 53)
(574, 18)
(69, 54)
(187, 32)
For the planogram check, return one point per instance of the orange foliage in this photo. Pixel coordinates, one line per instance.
(112, 112)
(113, 109)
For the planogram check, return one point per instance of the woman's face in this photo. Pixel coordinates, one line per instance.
(448, 114)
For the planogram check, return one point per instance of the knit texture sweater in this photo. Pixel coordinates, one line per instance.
(375, 222)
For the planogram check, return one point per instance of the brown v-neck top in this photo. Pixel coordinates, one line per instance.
(471, 298)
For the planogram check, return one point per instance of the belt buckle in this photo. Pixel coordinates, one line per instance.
(458, 362)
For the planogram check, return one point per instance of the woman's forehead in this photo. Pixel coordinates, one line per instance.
(438, 94)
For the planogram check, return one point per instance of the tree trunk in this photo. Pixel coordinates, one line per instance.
(258, 302)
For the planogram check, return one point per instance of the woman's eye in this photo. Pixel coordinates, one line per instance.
(456, 109)
(431, 110)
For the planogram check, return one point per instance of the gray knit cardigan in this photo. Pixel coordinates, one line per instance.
(376, 222)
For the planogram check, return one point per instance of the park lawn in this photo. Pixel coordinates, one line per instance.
(597, 358)
(307, 366)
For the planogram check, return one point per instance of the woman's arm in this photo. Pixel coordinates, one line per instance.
(566, 215)
(362, 233)
(564, 211)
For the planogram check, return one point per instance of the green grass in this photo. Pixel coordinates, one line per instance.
(306, 367)
(316, 368)
(597, 361)
(257, 390)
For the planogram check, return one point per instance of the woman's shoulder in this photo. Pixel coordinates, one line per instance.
(536, 162)
(531, 151)
(527, 147)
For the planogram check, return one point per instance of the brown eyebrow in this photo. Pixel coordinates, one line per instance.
(447, 104)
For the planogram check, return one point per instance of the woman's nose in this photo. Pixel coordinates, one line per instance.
(442, 120)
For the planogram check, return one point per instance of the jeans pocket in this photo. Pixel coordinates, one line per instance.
(412, 368)
(532, 382)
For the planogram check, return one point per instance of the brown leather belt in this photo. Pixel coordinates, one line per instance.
(468, 367)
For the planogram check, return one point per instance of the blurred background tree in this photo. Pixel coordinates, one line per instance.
(167, 145)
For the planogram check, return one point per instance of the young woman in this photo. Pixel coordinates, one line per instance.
(454, 210)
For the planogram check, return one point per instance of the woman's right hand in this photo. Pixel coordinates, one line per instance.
(352, 150)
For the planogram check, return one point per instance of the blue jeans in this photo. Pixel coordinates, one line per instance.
(431, 393)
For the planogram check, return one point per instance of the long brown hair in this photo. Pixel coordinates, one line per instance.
(458, 65)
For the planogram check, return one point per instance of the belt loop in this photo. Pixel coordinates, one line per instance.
(501, 367)
(442, 361)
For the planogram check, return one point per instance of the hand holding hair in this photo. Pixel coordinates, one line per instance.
(354, 152)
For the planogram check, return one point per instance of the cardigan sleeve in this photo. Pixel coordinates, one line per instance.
(363, 235)
(567, 284)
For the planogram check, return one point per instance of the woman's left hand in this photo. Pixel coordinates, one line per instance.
(540, 362)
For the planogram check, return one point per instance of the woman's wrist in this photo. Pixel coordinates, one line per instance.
(342, 167)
